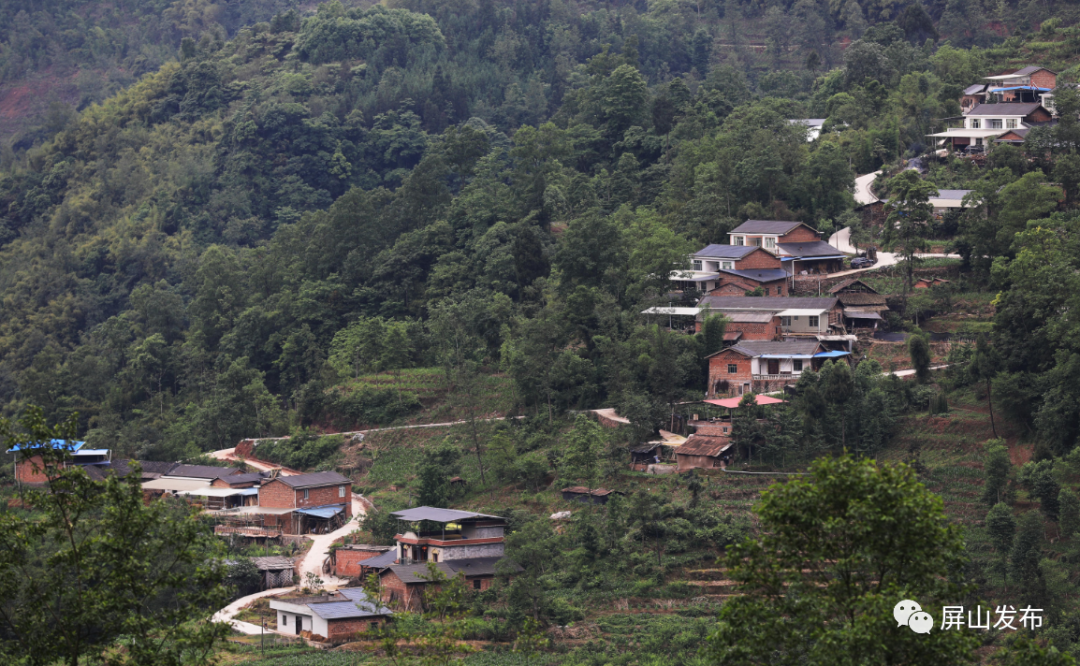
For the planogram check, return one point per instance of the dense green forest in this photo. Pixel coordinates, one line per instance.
(206, 255)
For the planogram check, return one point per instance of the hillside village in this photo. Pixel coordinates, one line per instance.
(512, 333)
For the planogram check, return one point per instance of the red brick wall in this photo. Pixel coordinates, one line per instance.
(347, 561)
(755, 331)
(732, 287)
(759, 258)
(718, 371)
(343, 629)
(1044, 79)
(31, 471)
(800, 234)
(1038, 116)
(277, 495)
(326, 495)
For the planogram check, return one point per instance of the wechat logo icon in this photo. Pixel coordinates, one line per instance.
(910, 614)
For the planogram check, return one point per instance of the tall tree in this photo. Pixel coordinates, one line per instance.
(94, 572)
(837, 550)
(910, 213)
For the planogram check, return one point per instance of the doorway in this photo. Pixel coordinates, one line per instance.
(774, 366)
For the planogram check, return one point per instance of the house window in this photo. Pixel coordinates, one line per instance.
(697, 264)
(975, 124)
(766, 291)
(1011, 123)
(373, 626)
(476, 584)
(770, 242)
(307, 494)
(785, 321)
(756, 242)
(728, 265)
(813, 322)
(732, 368)
(797, 365)
(994, 124)
(341, 491)
(736, 240)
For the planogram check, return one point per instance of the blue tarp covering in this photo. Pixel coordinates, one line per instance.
(831, 354)
(323, 511)
(56, 444)
(1020, 88)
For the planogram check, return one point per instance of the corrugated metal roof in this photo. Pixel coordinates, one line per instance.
(975, 89)
(437, 515)
(699, 445)
(759, 275)
(749, 317)
(54, 443)
(314, 479)
(761, 347)
(778, 227)
(176, 484)
(340, 610)
(237, 479)
(765, 303)
(324, 512)
(273, 563)
(1020, 109)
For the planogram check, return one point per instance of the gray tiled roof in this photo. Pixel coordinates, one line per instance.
(480, 566)
(314, 479)
(749, 317)
(417, 573)
(1007, 109)
(715, 251)
(759, 347)
(273, 563)
(814, 249)
(975, 89)
(1029, 70)
(237, 479)
(202, 471)
(380, 561)
(765, 227)
(765, 303)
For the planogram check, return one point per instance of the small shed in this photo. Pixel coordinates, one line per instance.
(645, 454)
(703, 452)
(349, 558)
(275, 571)
(583, 494)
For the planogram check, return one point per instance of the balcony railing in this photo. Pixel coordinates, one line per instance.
(778, 377)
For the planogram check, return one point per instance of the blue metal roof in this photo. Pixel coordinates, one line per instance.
(54, 443)
(831, 354)
(322, 511)
(248, 491)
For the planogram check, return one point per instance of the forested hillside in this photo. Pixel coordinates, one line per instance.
(206, 255)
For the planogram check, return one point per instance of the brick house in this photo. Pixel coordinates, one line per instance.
(31, 470)
(764, 366)
(307, 502)
(797, 246)
(347, 559)
(748, 326)
(769, 234)
(829, 321)
(464, 534)
(407, 584)
(716, 266)
(331, 619)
